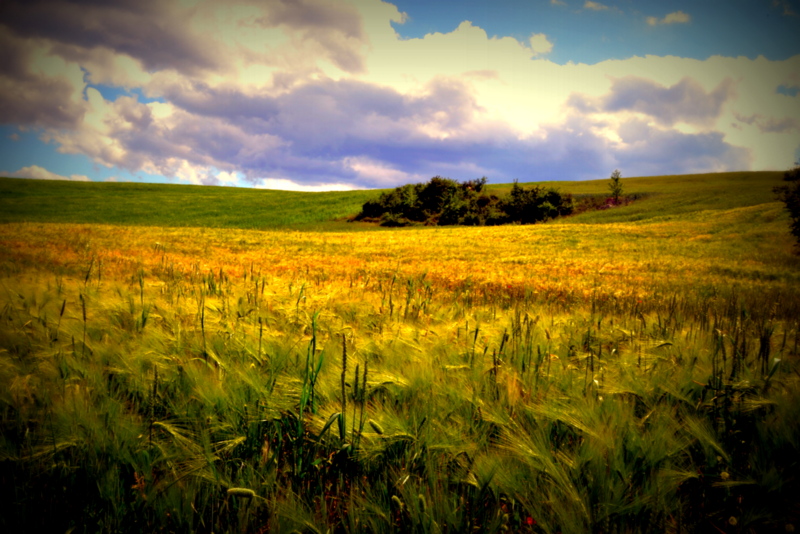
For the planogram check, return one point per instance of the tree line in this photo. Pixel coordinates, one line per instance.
(790, 195)
(443, 201)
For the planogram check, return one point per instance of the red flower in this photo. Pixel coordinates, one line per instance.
(530, 521)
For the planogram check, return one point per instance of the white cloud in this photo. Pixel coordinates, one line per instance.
(40, 173)
(283, 184)
(315, 94)
(676, 17)
(228, 178)
(378, 173)
(594, 6)
(540, 45)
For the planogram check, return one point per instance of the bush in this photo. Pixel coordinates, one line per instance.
(436, 194)
(528, 206)
(790, 195)
(442, 201)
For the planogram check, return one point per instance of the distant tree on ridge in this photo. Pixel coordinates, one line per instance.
(615, 185)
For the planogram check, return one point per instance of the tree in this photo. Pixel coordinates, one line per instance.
(437, 193)
(529, 206)
(790, 195)
(615, 185)
(442, 201)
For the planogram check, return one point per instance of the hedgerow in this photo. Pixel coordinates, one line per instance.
(443, 201)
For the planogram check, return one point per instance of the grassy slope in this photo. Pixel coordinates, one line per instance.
(228, 207)
(687, 196)
(170, 205)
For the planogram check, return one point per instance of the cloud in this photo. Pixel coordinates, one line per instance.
(227, 178)
(193, 39)
(351, 123)
(40, 173)
(282, 184)
(324, 94)
(594, 6)
(747, 120)
(676, 17)
(336, 27)
(648, 150)
(784, 125)
(685, 101)
(770, 124)
(540, 45)
(37, 90)
(785, 6)
(378, 173)
(150, 31)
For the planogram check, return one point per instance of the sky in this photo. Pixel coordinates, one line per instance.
(316, 95)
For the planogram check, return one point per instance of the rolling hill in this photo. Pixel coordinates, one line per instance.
(169, 205)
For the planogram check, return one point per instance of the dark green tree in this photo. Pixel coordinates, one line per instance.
(442, 201)
(437, 193)
(790, 195)
(615, 185)
(537, 204)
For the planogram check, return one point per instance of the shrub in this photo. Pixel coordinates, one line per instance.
(790, 195)
(442, 201)
(534, 205)
(437, 193)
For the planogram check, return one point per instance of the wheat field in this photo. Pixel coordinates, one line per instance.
(611, 372)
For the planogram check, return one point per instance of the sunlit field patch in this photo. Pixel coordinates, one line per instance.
(617, 376)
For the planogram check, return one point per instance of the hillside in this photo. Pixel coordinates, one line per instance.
(628, 370)
(228, 207)
(170, 205)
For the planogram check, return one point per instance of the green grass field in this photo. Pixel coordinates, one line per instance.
(171, 205)
(229, 207)
(182, 359)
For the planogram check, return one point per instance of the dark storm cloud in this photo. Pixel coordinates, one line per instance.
(334, 26)
(322, 131)
(199, 140)
(571, 151)
(770, 124)
(151, 31)
(287, 119)
(350, 115)
(327, 104)
(334, 118)
(685, 101)
(649, 151)
(308, 134)
(158, 33)
(313, 15)
(784, 125)
(228, 101)
(30, 98)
